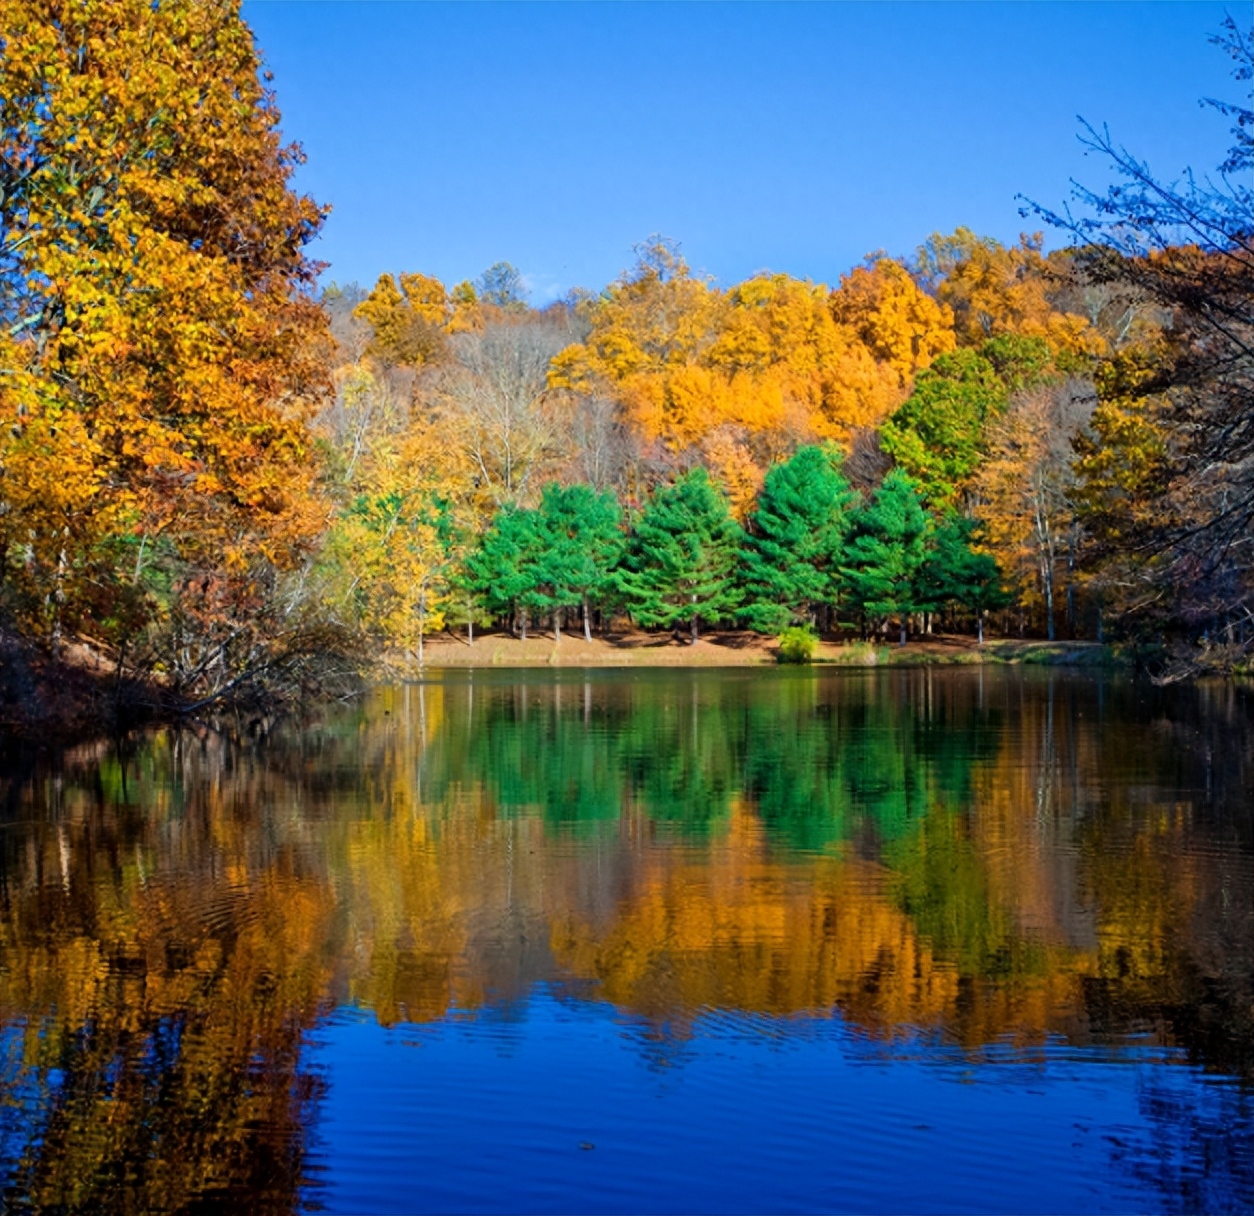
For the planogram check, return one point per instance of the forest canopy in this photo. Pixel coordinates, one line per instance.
(218, 474)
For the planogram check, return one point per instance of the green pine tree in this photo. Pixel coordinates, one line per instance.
(507, 568)
(889, 547)
(679, 564)
(582, 544)
(796, 540)
(955, 573)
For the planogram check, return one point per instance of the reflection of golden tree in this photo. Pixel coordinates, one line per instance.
(733, 930)
(169, 930)
(738, 929)
(1135, 884)
(163, 1015)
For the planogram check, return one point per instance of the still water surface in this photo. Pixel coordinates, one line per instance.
(666, 941)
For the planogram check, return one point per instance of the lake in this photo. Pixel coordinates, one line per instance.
(930, 940)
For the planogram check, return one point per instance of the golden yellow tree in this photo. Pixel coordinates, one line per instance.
(161, 345)
(995, 289)
(408, 321)
(760, 367)
(396, 540)
(898, 322)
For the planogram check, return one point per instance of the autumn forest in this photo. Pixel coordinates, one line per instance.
(224, 474)
(358, 852)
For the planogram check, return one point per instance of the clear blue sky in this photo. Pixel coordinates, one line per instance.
(793, 138)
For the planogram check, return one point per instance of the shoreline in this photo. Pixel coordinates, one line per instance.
(737, 649)
(54, 703)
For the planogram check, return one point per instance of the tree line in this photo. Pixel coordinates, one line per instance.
(217, 475)
(812, 553)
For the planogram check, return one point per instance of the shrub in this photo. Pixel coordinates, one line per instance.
(861, 654)
(797, 645)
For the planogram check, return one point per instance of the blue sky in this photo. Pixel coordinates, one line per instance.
(789, 137)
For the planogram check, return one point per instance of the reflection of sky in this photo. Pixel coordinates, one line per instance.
(755, 1115)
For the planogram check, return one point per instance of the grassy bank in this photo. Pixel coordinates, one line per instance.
(740, 649)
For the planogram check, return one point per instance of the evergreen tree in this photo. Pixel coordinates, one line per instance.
(888, 550)
(680, 562)
(796, 539)
(507, 568)
(582, 542)
(954, 573)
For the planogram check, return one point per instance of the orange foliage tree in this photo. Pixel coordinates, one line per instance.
(994, 289)
(898, 322)
(739, 377)
(159, 345)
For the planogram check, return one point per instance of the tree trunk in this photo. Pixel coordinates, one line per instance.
(903, 628)
(694, 629)
(587, 623)
(58, 600)
(557, 624)
(1049, 603)
(422, 616)
(979, 628)
(522, 620)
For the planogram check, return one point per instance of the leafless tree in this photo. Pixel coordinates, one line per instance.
(1024, 490)
(369, 402)
(349, 332)
(493, 395)
(598, 441)
(1188, 247)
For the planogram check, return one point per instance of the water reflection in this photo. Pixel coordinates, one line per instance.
(993, 865)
